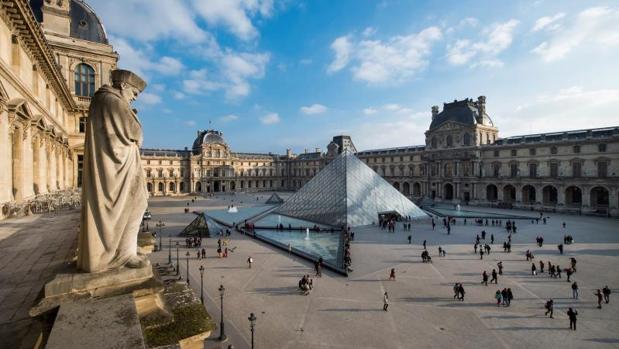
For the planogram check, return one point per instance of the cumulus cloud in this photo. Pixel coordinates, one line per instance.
(548, 22)
(342, 48)
(495, 39)
(378, 61)
(190, 123)
(235, 15)
(369, 111)
(149, 98)
(269, 119)
(149, 20)
(595, 26)
(313, 109)
(398, 130)
(142, 61)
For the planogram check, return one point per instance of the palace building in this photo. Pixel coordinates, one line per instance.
(463, 161)
(53, 56)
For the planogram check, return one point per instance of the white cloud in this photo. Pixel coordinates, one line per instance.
(235, 15)
(271, 118)
(149, 20)
(178, 95)
(548, 22)
(369, 111)
(342, 49)
(190, 123)
(402, 130)
(568, 105)
(149, 98)
(392, 60)
(595, 26)
(305, 61)
(495, 39)
(229, 117)
(314, 109)
(141, 61)
(469, 21)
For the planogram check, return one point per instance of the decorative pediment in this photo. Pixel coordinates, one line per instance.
(19, 108)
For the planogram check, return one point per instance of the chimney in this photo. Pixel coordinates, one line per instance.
(481, 108)
(434, 111)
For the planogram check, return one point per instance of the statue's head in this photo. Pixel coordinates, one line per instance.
(129, 84)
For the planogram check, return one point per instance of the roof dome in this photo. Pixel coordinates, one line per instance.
(85, 24)
(208, 137)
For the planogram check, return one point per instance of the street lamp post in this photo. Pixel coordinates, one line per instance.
(160, 226)
(169, 248)
(201, 284)
(252, 324)
(222, 333)
(187, 255)
(178, 266)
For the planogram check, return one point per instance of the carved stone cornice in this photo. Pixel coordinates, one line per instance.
(21, 19)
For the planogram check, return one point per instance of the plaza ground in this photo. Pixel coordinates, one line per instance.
(347, 312)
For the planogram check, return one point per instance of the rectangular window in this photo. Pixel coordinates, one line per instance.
(602, 148)
(554, 170)
(532, 170)
(514, 152)
(576, 169)
(576, 149)
(496, 153)
(553, 150)
(496, 170)
(532, 151)
(602, 169)
(82, 124)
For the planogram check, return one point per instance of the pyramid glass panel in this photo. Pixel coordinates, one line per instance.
(348, 192)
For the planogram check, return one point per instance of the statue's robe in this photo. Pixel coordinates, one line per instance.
(114, 195)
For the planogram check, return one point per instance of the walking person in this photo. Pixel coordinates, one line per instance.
(392, 275)
(606, 293)
(461, 292)
(424, 244)
(533, 269)
(572, 315)
(575, 290)
(249, 261)
(549, 308)
(498, 297)
(598, 293)
(410, 239)
(500, 266)
(385, 301)
(541, 267)
(510, 296)
(494, 277)
(484, 278)
(456, 290)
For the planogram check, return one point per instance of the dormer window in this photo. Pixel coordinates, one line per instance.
(84, 80)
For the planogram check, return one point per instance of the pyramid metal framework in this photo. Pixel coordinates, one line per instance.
(348, 192)
(198, 227)
(274, 200)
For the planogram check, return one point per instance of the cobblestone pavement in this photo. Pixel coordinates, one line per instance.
(33, 250)
(347, 312)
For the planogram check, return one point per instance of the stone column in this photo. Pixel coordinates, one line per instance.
(5, 157)
(561, 195)
(17, 166)
(27, 165)
(518, 193)
(58, 156)
(43, 166)
(52, 168)
(36, 164)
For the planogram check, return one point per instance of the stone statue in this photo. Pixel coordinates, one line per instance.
(114, 195)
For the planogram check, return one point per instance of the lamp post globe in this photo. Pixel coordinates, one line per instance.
(222, 332)
(252, 323)
(187, 255)
(201, 284)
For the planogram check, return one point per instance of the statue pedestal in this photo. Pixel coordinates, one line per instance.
(75, 286)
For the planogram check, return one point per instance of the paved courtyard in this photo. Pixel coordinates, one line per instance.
(347, 312)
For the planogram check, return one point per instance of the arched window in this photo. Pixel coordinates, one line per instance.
(433, 142)
(467, 139)
(449, 141)
(84, 80)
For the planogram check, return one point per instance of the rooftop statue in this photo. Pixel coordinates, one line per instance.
(114, 195)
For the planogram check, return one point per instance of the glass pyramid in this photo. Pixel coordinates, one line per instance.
(348, 192)
(198, 227)
(274, 200)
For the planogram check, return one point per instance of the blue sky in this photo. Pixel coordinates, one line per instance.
(291, 74)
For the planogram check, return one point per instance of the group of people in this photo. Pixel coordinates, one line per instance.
(193, 241)
(306, 284)
(504, 297)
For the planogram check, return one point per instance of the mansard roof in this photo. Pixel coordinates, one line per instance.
(466, 112)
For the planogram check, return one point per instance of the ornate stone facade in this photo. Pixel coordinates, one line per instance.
(463, 161)
(51, 60)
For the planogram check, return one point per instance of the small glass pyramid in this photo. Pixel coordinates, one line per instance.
(348, 192)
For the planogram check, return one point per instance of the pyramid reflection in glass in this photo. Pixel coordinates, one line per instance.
(348, 192)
